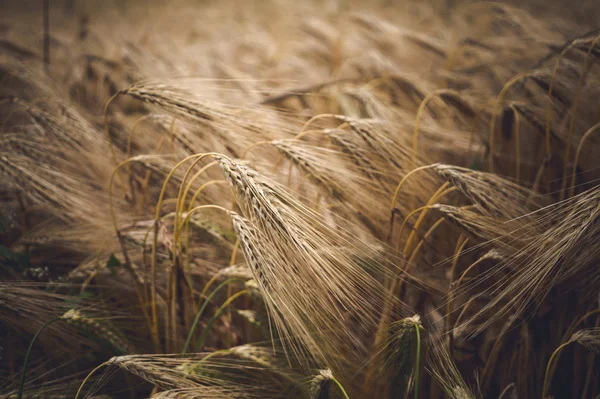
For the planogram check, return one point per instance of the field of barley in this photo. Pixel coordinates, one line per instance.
(299, 199)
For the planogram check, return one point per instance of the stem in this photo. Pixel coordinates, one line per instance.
(198, 158)
(28, 354)
(517, 143)
(544, 387)
(340, 387)
(415, 139)
(417, 361)
(234, 252)
(577, 154)
(442, 191)
(199, 314)
(218, 313)
(86, 378)
(495, 113)
(213, 354)
(399, 186)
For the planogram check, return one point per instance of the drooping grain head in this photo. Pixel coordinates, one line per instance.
(399, 354)
(320, 385)
(253, 353)
(96, 327)
(304, 271)
(588, 338)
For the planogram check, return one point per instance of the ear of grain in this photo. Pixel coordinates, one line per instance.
(96, 327)
(302, 266)
(320, 385)
(588, 338)
(400, 355)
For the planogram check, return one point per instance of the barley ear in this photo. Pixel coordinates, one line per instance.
(320, 386)
(75, 318)
(588, 338)
(403, 353)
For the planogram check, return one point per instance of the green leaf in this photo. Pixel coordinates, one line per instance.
(15, 259)
(85, 295)
(113, 264)
(475, 165)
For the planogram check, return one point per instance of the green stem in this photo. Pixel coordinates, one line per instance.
(200, 343)
(201, 311)
(198, 366)
(417, 361)
(340, 387)
(213, 354)
(546, 382)
(28, 354)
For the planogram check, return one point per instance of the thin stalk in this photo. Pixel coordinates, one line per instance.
(517, 143)
(341, 388)
(251, 146)
(399, 186)
(28, 354)
(201, 311)
(153, 273)
(87, 378)
(548, 367)
(186, 222)
(578, 153)
(441, 192)
(495, 115)
(417, 360)
(320, 116)
(414, 253)
(573, 113)
(234, 252)
(415, 138)
(200, 342)
(570, 332)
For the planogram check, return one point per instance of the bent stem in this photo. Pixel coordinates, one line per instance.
(495, 113)
(429, 232)
(87, 378)
(341, 388)
(549, 366)
(415, 138)
(320, 116)
(517, 143)
(28, 354)
(399, 186)
(186, 222)
(582, 75)
(201, 311)
(578, 153)
(569, 333)
(441, 192)
(405, 221)
(218, 313)
(153, 273)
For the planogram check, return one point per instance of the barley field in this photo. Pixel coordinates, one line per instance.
(299, 199)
